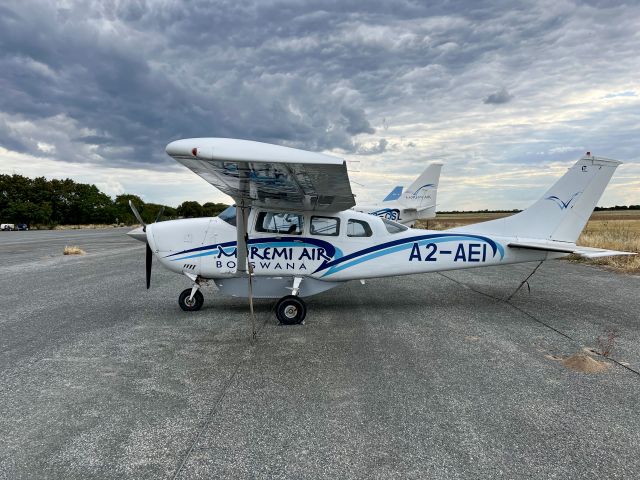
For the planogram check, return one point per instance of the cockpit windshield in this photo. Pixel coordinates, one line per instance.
(229, 215)
(393, 227)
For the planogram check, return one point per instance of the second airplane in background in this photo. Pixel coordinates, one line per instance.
(418, 202)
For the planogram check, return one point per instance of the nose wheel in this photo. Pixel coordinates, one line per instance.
(190, 303)
(291, 310)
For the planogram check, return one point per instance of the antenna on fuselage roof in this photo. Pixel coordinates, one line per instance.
(349, 162)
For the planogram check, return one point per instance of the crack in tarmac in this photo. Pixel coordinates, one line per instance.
(535, 319)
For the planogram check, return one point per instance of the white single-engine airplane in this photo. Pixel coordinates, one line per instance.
(292, 233)
(418, 201)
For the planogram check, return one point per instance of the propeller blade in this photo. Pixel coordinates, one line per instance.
(159, 214)
(149, 259)
(137, 215)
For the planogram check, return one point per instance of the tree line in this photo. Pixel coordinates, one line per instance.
(38, 201)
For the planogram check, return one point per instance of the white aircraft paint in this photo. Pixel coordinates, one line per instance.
(311, 246)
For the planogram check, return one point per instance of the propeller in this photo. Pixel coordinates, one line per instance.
(148, 265)
(148, 253)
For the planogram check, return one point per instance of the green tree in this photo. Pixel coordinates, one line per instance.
(190, 209)
(122, 210)
(211, 209)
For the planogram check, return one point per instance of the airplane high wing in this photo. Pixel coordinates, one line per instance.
(266, 175)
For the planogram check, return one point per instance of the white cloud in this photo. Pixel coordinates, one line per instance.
(46, 147)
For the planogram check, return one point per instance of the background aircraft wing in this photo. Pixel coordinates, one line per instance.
(266, 175)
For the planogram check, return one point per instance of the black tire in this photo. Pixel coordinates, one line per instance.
(291, 310)
(196, 302)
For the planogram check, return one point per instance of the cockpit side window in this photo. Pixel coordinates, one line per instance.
(229, 215)
(329, 226)
(393, 227)
(280, 222)
(358, 228)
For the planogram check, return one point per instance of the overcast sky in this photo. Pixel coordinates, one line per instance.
(506, 97)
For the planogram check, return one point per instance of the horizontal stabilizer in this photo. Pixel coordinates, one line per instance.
(563, 247)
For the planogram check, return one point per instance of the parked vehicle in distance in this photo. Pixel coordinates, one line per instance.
(22, 226)
(7, 227)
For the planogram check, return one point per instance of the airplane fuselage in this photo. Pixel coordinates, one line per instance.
(324, 247)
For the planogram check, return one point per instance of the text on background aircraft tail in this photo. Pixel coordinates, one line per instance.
(563, 211)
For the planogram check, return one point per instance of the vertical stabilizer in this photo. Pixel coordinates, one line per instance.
(422, 192)
(563, 211)
(393, 194)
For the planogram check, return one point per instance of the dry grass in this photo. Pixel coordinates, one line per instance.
(73, 250)
(614, 230)
(614, 234)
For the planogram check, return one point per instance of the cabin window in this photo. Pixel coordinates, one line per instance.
(329, 226)
(358, 228)
(229, 215)
(393, 227)
(280, 223)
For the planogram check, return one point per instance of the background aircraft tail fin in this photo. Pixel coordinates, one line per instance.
(422, 192)
(563, 211)
(394, 194)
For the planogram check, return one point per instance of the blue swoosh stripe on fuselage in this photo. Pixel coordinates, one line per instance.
(330, 249)
(495, 247)
(204, 247)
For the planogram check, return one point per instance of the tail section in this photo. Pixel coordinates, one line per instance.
(394, 194)
(422, 192)
(563, 211)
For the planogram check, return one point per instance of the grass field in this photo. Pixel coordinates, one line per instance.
(615, 230)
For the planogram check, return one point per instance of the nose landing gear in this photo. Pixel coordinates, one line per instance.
(191, 299)
(190, 303)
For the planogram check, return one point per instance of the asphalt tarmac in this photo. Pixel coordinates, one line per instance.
(427, 376)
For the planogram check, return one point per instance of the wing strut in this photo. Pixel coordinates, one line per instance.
(242, 243)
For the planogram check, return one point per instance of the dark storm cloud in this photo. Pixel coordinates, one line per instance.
(501, 96)
(143, 73)
(114, 81)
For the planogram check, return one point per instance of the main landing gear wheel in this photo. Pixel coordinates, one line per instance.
(291, 310)
(191, 305)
